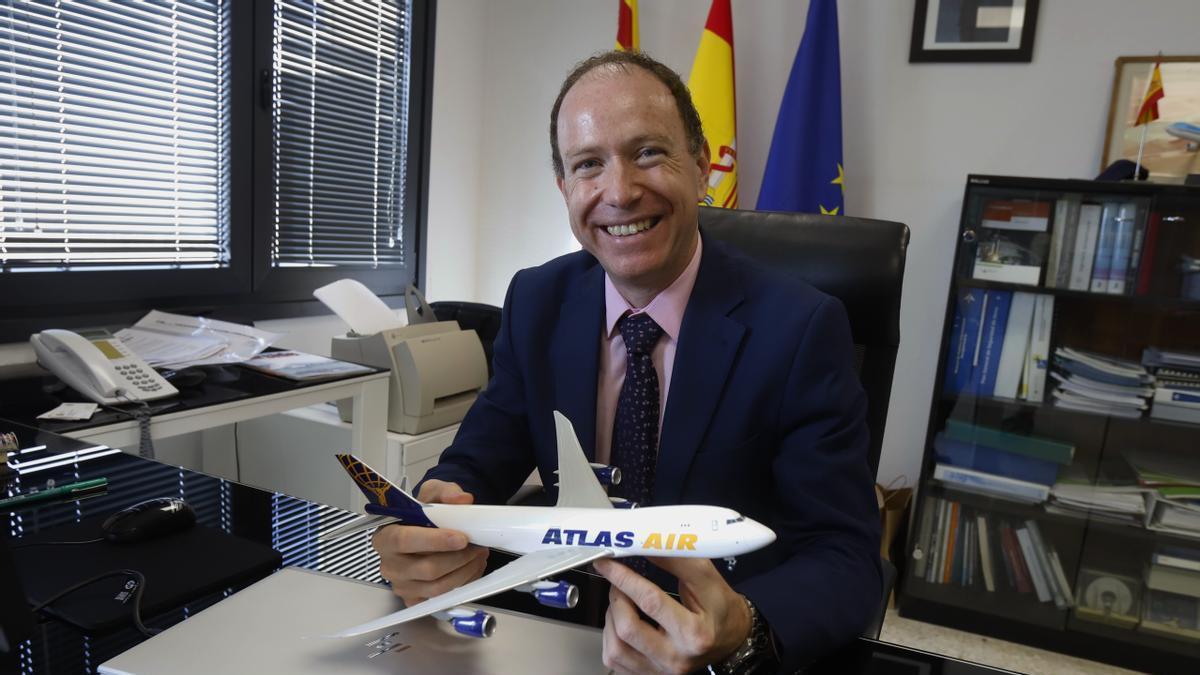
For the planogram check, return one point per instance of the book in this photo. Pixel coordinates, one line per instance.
(1179, 557)
(1038, 359)
(1182, 398)
(950, 542)
(1012, 552)
(1016, 345)
(1058, 593)
(1145, 271)
(1105, 245)
(985, 553)
(1135, 252)
(303, 367)
(960, 363)
(1084, 252)
(991, 340)
(1173, 580)
(1175, 413)
(991, 484)
(1122, 248)
(1032, 446)
(1013, 241)
(987, 459)
(1036, 574)
(1066, 220)
(920, 552)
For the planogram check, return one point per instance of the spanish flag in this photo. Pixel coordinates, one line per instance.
(711, 84)
(1149, 110)
(627, 26)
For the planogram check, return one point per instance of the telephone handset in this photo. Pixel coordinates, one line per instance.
(104, 370)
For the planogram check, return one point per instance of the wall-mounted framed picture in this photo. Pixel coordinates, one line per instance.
(973, 31)
(1165, 155)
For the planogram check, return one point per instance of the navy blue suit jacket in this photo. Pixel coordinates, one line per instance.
(765, 415)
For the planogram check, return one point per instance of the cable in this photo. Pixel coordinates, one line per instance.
(55, 543)
(137, 597)
(142, 417)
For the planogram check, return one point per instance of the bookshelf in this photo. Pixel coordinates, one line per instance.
(1059, 500)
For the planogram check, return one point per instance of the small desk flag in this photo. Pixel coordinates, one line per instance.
(1149, 110)
(804, 168)
(627, 26)
(711, 84)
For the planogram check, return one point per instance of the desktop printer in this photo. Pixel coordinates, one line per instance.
(437, 371)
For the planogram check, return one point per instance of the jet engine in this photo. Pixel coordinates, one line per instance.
(472, 622)
(607, 475)
(559, 594)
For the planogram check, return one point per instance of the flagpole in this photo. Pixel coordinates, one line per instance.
(1137, 166)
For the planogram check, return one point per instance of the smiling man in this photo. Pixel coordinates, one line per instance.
(704, 378)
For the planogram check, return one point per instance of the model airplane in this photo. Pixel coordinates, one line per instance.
(583, 526)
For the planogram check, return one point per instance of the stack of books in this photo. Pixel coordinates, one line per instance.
(1095, 383)
(1176, 384)
(1172, 606)
(1000, 342)
(971, 548)
(1118, 499)
(998, 463)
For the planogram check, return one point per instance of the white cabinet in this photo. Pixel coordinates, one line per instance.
(293, 452)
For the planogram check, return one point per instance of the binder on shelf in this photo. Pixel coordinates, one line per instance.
(991, 341)
(1033, 446)
(1016, 345)
(1084, 253)
(991, 485)
(1122, 248)
(1145, 271)
(1062, 241)
(1037, 361)
(1105, 243)
(960, 364)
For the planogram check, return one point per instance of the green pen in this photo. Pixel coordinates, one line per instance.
(70, 491)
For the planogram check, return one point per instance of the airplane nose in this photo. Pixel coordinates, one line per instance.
(764, 534)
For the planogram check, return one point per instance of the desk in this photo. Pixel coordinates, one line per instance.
(229, 394)
(285, 523)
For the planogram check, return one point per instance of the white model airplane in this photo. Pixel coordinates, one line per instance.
(582, 527)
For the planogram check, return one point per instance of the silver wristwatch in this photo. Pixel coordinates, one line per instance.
(755, 655)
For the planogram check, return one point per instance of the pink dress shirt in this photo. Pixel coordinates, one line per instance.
(667, 311)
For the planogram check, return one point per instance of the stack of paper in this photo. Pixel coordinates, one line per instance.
(1114, 495)
(176, 341)
(1100, 384)
(1174, 482)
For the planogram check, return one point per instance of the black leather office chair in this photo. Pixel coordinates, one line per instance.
(856, 260)
(482, 318)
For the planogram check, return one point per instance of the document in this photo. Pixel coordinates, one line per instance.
(358, 306)
(167, 340)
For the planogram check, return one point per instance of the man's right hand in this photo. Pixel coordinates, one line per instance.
(421, 562)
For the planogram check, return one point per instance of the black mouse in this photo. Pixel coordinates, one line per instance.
(185, 378)
(148, 520)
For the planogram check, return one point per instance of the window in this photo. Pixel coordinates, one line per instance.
(118, 136)
(211, 155)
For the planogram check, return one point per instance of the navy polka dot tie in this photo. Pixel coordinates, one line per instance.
(635, 426)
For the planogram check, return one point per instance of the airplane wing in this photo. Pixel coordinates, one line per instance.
(577, 483)
(526, 569)
(356, 525)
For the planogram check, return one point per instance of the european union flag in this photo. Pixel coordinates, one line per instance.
(804, 168)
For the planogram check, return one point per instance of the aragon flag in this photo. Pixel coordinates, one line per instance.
(627, 26)
(711, 84)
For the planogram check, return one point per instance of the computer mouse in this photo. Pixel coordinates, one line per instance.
(148, 520)
(185, 378)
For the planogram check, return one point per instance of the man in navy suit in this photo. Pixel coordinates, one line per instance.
(758, 405)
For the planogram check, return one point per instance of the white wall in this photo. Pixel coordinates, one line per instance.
(912, 132)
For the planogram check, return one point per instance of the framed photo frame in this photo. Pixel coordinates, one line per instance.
(1165, 156)
(973, 31)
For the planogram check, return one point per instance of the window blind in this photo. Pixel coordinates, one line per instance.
(114, 135)
(339, 127)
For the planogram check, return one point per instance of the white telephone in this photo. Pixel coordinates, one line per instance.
(104, 370)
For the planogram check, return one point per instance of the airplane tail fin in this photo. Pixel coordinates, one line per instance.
(383, 497)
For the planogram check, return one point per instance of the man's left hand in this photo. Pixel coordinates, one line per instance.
(706, 626)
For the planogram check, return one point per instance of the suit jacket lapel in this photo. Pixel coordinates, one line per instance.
(708, 342)
(575, 357)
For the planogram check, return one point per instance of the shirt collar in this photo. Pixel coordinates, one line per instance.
(666, 308)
